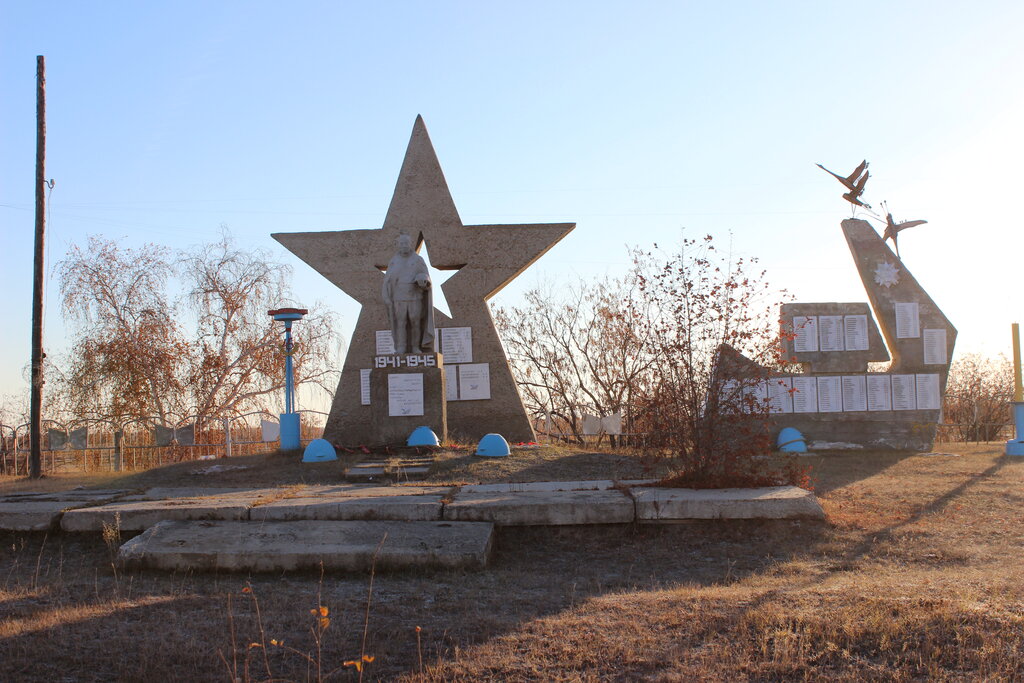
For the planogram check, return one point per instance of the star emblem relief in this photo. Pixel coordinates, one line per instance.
(887, 274)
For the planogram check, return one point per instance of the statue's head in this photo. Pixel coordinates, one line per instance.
(404, 244)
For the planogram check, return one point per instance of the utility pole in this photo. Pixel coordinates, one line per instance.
(36, 417)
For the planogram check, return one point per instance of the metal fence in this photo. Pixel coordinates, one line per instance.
(145, 442)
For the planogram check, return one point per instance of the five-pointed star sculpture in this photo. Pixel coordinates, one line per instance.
(486, 258)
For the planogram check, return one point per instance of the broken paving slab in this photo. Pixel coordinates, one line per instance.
(408, 508)
(141, 514)
(529, 508)
(287, 546)
(33, 515)
(774, 502)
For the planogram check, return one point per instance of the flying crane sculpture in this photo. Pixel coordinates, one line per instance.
(892, 228)
(854, 182)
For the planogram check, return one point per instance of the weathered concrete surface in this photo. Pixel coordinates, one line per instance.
(775, 502)
(582, 485)
(364, 491)
(142, 514)
(33, 515)
(73, 495)
(528, 508)
(166, 492)
(35, 511)
(286, 546)
(410, 508)
(539, 486)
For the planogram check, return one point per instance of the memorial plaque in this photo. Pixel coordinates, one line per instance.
(385, 343)
(780, 394)
(806, 330)
(854, 393)
(830, 394)
(879, 387)
(904, 392)
(805, 395)
(935, 347)
(908, 321)
(456, 344)
(405, 395)
(364, 387)
(830, 333)
(855, 332)
(928, 395)
(474, 382)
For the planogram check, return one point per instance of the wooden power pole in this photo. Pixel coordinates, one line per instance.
(36, 417)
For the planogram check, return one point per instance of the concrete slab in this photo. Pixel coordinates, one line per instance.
(366, 473)
(398, 508)
(775, 502)
(75, 495)
(581, 485)
(142, 514)
(514, 487)
(33, 515)
(167, 492)
(527, 508)
(369, 490)
(286, 546)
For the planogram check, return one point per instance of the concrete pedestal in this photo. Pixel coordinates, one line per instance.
(391, 426)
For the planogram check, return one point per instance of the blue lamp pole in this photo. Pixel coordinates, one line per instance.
(289, 419)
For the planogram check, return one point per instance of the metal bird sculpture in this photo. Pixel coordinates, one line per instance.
(892, 229)
(854, 182)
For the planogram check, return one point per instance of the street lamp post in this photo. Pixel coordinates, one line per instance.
(290, 440)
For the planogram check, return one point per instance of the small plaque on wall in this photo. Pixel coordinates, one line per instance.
(474, 382)
(456, 344)
(405, 395)
(385, 343)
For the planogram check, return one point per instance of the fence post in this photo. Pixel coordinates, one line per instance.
(227, 437)
(117, 449)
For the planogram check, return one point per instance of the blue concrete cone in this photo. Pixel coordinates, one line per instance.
(493, 446)
(791, 441)
(319, 450)
(422, 436)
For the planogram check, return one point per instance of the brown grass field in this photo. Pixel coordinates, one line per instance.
(917, 574)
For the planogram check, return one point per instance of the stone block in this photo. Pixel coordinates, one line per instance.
(528, 508)
(287, 546)
(775, 502)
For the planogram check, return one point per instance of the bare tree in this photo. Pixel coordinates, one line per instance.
(128, 350)
(578, 351)
(715, 335)
(978, 393)
(135, 352)
(236, 362)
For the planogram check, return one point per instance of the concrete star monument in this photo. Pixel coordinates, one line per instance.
(481, 394)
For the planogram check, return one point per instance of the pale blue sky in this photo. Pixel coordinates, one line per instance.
(166, 120)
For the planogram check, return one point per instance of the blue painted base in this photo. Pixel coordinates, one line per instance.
(1015, 448)
(290, 432)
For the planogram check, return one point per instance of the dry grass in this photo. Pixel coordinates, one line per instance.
(916, 575)
(548, 463)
